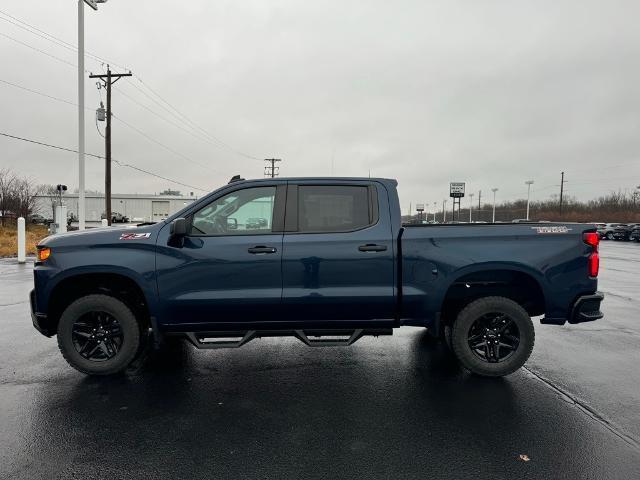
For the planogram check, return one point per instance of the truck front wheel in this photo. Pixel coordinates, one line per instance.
(492, 336)
(98, 335)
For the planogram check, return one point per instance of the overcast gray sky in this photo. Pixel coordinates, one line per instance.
(488, 92)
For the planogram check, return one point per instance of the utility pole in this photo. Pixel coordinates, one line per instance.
(271, 170)
(561, 191)
(470, 205)
(444, 211)
(108, 79)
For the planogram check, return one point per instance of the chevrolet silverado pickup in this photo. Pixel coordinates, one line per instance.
(330, 264)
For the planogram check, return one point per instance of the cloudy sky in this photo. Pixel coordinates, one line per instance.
(491, 92)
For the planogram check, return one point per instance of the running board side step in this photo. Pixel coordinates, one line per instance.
(311, 337)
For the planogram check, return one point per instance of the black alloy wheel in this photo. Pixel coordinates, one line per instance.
(494, 337)
(97, 336)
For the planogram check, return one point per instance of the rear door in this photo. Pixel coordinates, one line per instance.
(337, 260)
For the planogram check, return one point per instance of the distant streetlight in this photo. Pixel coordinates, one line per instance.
(81, 202)
(528, 183)
(470, 205)
(435, 207)
(444, 211)
(494, 190)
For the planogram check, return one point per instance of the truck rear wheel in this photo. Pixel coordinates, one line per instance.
(492, 336)
(98, 335)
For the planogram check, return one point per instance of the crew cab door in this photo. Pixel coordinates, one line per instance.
(338, 256)
(227, 270)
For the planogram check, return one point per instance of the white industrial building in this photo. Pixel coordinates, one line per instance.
(137, 207)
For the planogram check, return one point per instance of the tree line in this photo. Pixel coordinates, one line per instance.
(614, 207)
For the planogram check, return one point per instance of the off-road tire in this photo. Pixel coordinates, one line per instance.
(465, 320)
(128, 325)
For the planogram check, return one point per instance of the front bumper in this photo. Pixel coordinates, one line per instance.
(40, 320)
(586, 308)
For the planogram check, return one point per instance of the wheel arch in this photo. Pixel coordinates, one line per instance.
(519, 283)
(118, 284)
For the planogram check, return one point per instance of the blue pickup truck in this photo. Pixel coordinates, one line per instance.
(325, 260)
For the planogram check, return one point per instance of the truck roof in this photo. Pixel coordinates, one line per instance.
(322, 179)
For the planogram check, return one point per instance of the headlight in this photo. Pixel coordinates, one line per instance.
(43, 253)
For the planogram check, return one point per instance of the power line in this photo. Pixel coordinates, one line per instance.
(158, 98)
(165, 119)
(122, 164)
(46, 144)
(184, 118)
(52, 38)
(169, 149)
(51, 97)
(178, 116)
(39, 50)
(127, 124)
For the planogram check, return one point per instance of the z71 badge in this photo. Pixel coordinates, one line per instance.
(551, 229)
(134, 236)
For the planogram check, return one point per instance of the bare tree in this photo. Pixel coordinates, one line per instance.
(25, 192)
(7, 185)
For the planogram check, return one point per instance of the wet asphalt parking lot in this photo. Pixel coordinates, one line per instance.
(389, 407)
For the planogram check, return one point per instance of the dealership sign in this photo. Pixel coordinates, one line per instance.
(420, 207)
(456, 189)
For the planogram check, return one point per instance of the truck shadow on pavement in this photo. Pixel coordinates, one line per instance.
(282, 410)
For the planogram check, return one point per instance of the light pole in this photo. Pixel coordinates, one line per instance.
(81, 202)
(435, 207)
(444, 211)
(494, 190)
(470, 205)
(528, 183)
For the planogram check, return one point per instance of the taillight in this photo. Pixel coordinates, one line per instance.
(594, 264)
(593, 240)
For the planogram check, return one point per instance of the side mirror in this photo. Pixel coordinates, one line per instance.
(232, 223)
(178, 227)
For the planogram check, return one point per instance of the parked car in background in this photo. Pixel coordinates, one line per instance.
(622, 232)
(116, 217)
(256, 223)
(599, 226)
(607, 230)
(635, 233)
(520, 220)
(37, 219)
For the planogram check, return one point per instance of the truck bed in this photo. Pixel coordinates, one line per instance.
(548, 256)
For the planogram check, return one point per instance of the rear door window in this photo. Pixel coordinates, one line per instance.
(333, 208)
